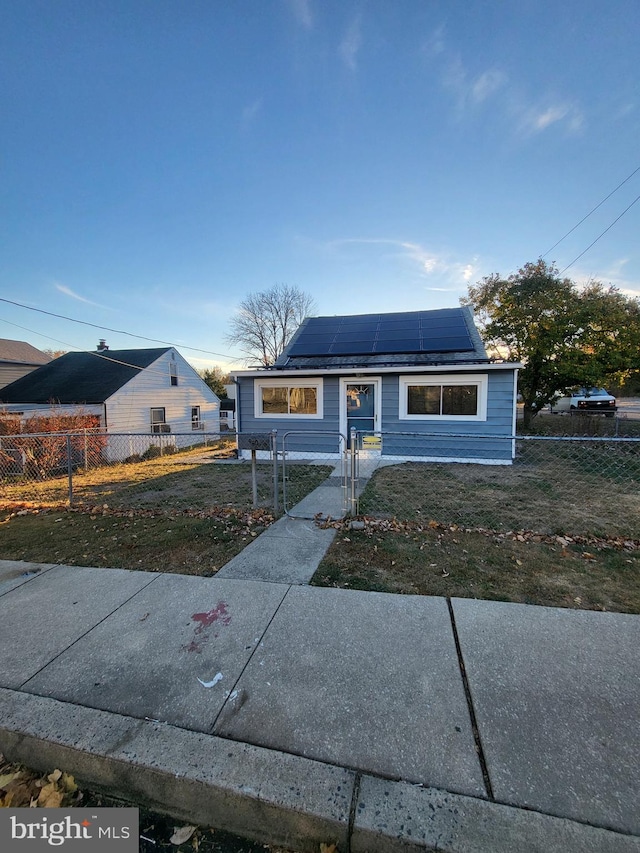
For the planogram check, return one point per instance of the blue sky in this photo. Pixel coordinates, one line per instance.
(161, 159)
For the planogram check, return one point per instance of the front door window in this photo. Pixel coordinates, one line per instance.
(361, 407)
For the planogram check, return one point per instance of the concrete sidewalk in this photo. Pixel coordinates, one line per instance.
(300, 715)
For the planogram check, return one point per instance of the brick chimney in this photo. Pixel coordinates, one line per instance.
(102, 345)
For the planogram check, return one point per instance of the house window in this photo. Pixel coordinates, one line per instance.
(196, 423)
(158, 420)
(280, 398)
(173, 372)
(443, 397)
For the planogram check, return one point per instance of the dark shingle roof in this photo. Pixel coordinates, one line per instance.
(80, 377)
(20, 352)
(474, 352)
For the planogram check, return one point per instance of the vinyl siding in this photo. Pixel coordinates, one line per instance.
(446, 439)
(129, 409)
(10, 372)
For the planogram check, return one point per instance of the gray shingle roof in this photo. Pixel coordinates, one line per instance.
(20, 352)
(80, 377)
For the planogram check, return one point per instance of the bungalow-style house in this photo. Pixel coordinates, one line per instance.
(17, 358)
(151, 391)
(416, 385)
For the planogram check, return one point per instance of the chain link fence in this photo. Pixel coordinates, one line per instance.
(123, 470)
(555, 485)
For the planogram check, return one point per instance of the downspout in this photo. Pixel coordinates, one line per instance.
(515, 412)
(237, 384)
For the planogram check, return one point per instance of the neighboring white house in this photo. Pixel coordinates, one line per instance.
(144, 391)
(17, 359)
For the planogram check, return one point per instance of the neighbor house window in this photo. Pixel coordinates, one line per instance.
(195, 417)
(281, 398)
(159, 421)
(456, 398)
(173, 372)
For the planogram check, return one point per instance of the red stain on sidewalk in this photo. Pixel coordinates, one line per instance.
(219, 613)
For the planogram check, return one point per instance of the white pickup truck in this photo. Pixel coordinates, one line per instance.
(589, 401)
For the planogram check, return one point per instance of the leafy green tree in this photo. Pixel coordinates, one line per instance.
(216, 380)
(564, 336)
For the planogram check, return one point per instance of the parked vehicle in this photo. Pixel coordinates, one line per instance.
(589, 401)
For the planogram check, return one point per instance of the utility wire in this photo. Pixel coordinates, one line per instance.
(117, 331)
(103, 354)
(590, 212)
(636, 199)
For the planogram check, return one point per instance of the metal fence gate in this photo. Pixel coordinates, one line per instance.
(330, 469)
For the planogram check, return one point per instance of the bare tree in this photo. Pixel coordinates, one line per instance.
(265, 322)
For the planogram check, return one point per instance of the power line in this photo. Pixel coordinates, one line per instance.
(590, 212)
(117, 331)
(102, 354)
(637, 198)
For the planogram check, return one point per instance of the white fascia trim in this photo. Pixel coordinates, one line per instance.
(374, 371)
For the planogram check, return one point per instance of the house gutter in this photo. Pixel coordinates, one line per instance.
(461, 367)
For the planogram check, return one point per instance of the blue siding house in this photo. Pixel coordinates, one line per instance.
(415, 385)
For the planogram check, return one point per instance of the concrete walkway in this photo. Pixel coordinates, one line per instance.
(290, 550)
(300, 715)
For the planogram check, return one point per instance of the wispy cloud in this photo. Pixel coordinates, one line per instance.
(442, 272)
(302, 12)
(492, 88)
(487, 84)
(614, 274)
(62, 288)
(538, 119)
(471, 91)
(251, 112)
(434, 45)
(351, 43)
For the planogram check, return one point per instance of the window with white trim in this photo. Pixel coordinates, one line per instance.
(158, 420)
(461, 397)
(284, 398)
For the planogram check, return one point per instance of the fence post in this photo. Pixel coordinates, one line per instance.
(86, 451)
(274, 456)
(353, 509)
(69, 470)
(254, 479)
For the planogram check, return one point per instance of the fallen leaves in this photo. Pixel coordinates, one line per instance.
(240, 522)
(22, 788)
(371, 525)
(182, 834)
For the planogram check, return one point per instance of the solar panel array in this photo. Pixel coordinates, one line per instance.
(373, 334)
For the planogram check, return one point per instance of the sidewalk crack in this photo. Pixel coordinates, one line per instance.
(472, 713)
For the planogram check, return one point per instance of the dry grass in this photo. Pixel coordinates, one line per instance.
(455, 563)
(186, 513)
(553, 487)
(160, 543)
(197, 479)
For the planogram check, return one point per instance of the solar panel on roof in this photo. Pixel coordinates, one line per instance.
(350, 348)
(444, 330)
